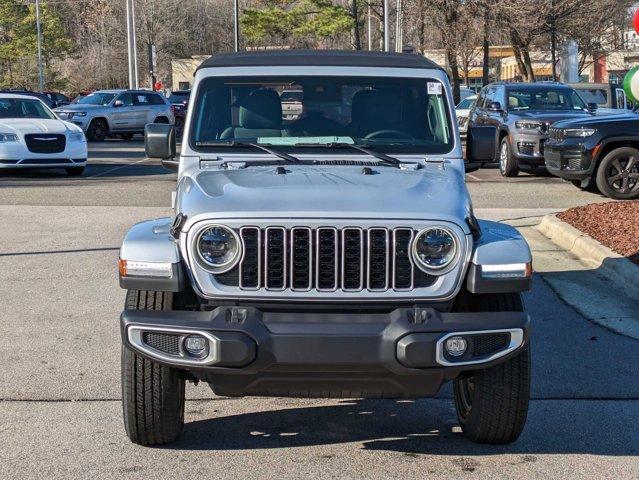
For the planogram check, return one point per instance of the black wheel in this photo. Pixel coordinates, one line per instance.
(126, 136)
(74, 171)
(161, 120)
(492, 404)
(618, 174)
(179, 127)
(508, 165)
(152, 394)
(97, 131)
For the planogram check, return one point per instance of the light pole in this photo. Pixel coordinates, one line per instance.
(386, 27)
(399, 33)
(39, 39)
(131, 45)
(370, 30)
(236, 24)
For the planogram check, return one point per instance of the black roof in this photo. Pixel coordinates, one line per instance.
(333, 58)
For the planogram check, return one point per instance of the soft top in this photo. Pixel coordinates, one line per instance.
(333, 58)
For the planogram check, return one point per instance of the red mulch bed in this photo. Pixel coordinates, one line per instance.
(614, 224)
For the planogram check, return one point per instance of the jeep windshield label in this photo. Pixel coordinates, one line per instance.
(292, 141)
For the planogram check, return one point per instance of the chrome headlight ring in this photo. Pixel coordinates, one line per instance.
(449, 264)
(225, 265)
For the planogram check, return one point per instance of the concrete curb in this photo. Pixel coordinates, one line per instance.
(591, 251)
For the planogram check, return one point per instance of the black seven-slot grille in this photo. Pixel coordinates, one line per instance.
(326, 259)
(45, 142)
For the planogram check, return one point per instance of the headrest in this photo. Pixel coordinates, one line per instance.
(513, 102)
(262, 109)
(376, 106)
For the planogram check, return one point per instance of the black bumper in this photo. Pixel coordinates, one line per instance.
(573, 162)
(327, 354)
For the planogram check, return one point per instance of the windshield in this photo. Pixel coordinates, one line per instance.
(594, 95)
(179, 97)
(467, 103)
(20, 108)
(393, 114)
(544, 99)
(97, 98)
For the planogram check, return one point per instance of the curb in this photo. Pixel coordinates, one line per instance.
(591, 251)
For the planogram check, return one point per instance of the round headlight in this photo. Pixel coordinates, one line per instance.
(434, 249)
(218, 247)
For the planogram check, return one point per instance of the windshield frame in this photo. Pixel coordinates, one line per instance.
(570, 92)
(47, 110)
(434, 74)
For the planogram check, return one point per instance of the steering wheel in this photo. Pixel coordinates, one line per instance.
(389, 134)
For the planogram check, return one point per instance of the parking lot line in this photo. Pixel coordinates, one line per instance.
(118, 168)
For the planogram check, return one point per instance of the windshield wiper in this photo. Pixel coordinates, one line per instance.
(387, 159)
(236, 144)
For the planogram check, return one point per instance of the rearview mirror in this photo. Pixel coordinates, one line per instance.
(480, 147)
(592, 107)
(494, 107)
(159, 143)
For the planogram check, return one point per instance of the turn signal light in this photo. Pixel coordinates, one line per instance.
(128, 268)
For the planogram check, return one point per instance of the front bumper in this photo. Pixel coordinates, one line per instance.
(572, 161)
(529, 148)
(394, 354)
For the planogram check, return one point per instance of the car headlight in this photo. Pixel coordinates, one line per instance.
(77, 137)
(528, 125)
(435, 250)
(579, 132)
(8, 137)
(219, 248)
(78, 114)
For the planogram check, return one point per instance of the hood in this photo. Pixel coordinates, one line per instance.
(21, 126)
(599, 121)
(430, 193)
(77, 107)
(551, 117)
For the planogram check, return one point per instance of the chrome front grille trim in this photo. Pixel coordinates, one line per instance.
(368, 260)
(242, 283)
(360, 286)
(317, 259)
(412, 265)
(293, 251)
(283, 258)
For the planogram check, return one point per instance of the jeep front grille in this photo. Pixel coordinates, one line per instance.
(326, 259)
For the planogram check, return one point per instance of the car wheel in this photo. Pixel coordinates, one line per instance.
(492, 404)
(618, 174)
(97, 131)
(152, 394)
(508, 165)
(74, 171)
(161, 120)
(126, 136)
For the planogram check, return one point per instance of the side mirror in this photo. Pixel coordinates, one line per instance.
(480, 147)
(159, 142)
(592, 107)
(118, 103)
(494, 107)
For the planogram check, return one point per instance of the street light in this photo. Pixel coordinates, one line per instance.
(131, 45)
(39, 41)
(386, 27)
(236, 25)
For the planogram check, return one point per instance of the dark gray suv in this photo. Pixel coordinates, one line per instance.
(522, 114)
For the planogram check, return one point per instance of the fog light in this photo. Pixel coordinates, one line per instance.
(455, 346)
(196, 345)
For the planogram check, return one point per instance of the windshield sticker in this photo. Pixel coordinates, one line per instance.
(434, 88)
(292, 141)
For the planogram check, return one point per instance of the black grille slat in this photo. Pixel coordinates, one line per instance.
(326, 259)
(45, 142)
(163, 342)
(403, 271)
(352, 259)
(490, 343)
(378, 257)
(250, 268)
(301, 259)
(275, 254)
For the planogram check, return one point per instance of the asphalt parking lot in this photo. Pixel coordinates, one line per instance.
(59, 344)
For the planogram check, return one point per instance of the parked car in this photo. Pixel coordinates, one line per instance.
(40, 96)
(31, 136)
(304, 263)
(600, 151)
(462, 110)
(122, 113)
(522, 114)
(609, 98)
(292, 106)
(58, 99)
(179, 100)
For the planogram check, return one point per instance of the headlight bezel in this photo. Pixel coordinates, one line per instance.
(220, 268)
(436, 270)
(9, 138)
(580, 132)
(77, 114)
(75, 136)
(530, 125)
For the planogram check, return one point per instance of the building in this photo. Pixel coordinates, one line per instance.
(183, 69)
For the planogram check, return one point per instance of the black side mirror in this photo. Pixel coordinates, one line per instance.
(592, 107)
(494, 107)
(480, 147)
(159, 142)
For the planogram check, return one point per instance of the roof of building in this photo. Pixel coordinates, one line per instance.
(333, 58)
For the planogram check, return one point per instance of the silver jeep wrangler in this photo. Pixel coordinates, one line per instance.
(332, 254)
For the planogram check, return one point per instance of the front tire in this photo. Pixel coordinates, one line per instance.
(618, 174)
(492, 404)
(508, 166)
(97, 131)
(152, 394)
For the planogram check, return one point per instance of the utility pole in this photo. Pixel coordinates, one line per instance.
(131, 44)
(370, 30)
(236, 24)
(399, 29)
(386, 27)
(39, 35)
